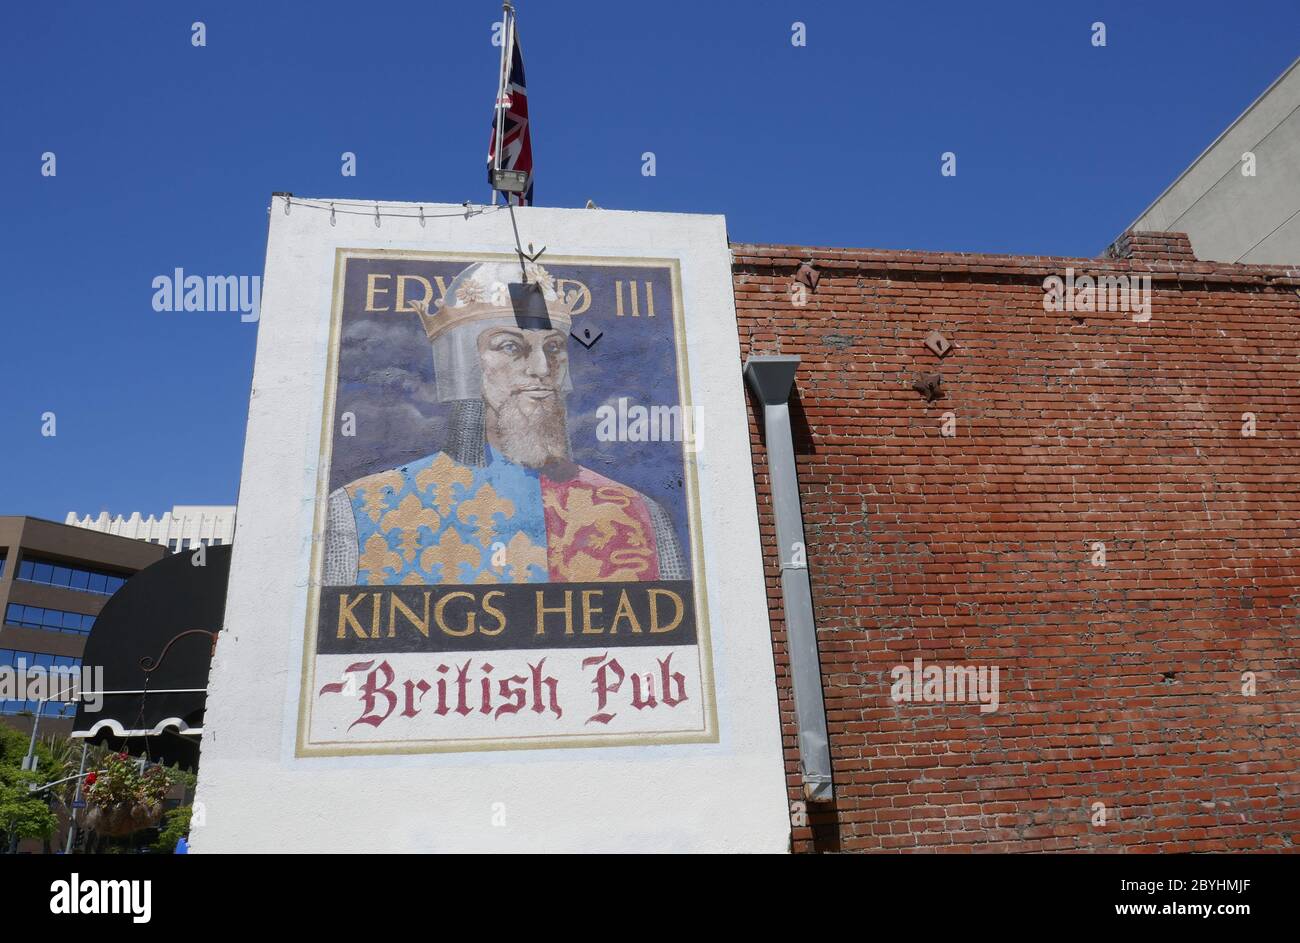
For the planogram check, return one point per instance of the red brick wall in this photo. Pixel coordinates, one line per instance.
(1119, 684)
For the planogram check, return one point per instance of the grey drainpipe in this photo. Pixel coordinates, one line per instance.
(771, 379)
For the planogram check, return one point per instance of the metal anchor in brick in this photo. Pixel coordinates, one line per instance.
(929, 387)
(808, 275)
(938, 345)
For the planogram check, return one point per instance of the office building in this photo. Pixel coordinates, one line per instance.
(54, 580)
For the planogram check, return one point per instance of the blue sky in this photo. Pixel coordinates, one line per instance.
(167, 155)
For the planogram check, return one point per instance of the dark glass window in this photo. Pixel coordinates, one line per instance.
(11, 658)
(78, 578)
(52, 620)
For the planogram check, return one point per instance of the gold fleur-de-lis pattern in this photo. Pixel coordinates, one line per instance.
(438, 521)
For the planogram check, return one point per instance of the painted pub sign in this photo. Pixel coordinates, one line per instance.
(507, 534)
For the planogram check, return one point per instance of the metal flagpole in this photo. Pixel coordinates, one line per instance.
(507, 34)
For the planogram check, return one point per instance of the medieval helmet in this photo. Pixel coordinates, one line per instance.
(487, 295)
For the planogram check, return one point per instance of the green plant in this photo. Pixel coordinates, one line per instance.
(23, 814)
(121, 781)
(176, 825)
(60, 759)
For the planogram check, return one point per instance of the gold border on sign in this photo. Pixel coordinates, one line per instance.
(704, 645)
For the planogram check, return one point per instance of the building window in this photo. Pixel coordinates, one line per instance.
(216, 542)
(52, 620)
(100, 582)
(2, 565)
(173, 545)
(14, 659)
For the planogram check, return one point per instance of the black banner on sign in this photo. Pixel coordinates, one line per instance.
(358, 620)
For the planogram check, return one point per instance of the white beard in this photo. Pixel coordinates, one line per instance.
(535, 437)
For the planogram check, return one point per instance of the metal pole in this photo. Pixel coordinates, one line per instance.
(85, 694)
(519, 249)
(31, 746)
(72, 821)
(502, 74)
(507, 60)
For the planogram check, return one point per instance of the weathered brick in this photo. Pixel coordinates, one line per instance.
(1119, 684)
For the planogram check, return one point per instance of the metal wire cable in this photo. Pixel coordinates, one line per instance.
(470, 209)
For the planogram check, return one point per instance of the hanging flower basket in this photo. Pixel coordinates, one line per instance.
(120, 819)
(120, 799)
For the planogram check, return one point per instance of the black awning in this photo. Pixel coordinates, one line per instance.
(154, 640)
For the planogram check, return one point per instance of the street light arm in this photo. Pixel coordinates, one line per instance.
(65, 779)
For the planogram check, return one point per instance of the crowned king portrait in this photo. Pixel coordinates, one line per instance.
(501, 501)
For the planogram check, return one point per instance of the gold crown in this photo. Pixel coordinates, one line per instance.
(470, 299)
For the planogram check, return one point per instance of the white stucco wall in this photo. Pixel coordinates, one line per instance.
(256, 795)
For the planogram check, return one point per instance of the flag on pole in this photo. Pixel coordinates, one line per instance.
(511, 146)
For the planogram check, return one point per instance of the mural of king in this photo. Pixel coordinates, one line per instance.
(502, 501)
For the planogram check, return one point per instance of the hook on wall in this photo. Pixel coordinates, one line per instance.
(808, 274)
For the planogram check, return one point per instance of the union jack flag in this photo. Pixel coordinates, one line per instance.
(516, 138)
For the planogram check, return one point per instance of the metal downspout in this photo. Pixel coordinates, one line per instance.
(771, 379)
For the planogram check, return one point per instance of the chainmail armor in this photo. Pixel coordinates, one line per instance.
(465, 434)
(671, 564)
(341, 549)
